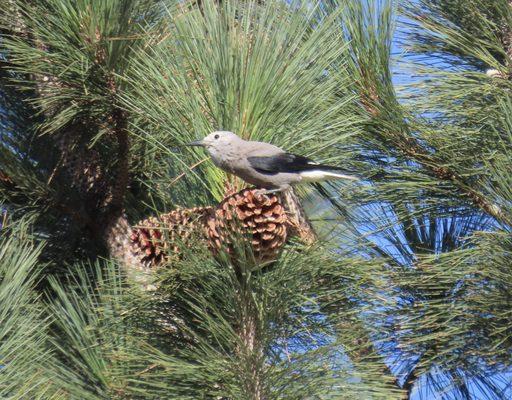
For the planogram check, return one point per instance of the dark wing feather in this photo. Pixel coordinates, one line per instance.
(285, 162)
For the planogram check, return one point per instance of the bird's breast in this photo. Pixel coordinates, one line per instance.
(223, 163)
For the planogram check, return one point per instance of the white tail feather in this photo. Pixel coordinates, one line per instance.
(319, 175)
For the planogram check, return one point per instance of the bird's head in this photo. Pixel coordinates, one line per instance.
(216, 141)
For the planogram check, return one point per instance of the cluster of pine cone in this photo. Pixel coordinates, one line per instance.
(261, 219)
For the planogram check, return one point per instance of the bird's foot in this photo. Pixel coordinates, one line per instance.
(265, 192)
(262, 192)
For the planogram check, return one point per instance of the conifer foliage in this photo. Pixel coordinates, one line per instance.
(395, 287)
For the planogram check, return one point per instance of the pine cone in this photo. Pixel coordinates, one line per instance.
(152, 237)
(261, 217)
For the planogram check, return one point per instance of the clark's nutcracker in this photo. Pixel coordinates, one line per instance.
(263, 164)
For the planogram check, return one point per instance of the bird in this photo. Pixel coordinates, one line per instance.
(264, 165)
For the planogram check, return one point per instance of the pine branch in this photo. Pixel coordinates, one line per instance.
(250, 351)
(301, 226)
(389, 123)
(486, 23)
(411, 148)
(382, 112)
(92, 182)
(364, 352)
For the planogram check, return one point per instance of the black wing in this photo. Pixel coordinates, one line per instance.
(284, 162)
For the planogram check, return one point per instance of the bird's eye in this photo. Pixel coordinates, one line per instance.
(216, 136)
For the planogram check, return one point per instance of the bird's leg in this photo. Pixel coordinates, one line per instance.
(262, 192)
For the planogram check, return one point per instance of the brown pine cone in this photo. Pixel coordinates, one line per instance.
(261, 218)
(153, 239)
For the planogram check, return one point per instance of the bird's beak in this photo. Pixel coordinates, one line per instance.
(196, 143)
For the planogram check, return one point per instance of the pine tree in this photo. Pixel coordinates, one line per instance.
(394, 286)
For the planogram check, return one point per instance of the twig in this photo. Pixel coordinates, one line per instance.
(189, 169)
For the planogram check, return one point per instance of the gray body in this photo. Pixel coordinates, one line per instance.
(234, 159)
(263, 164)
